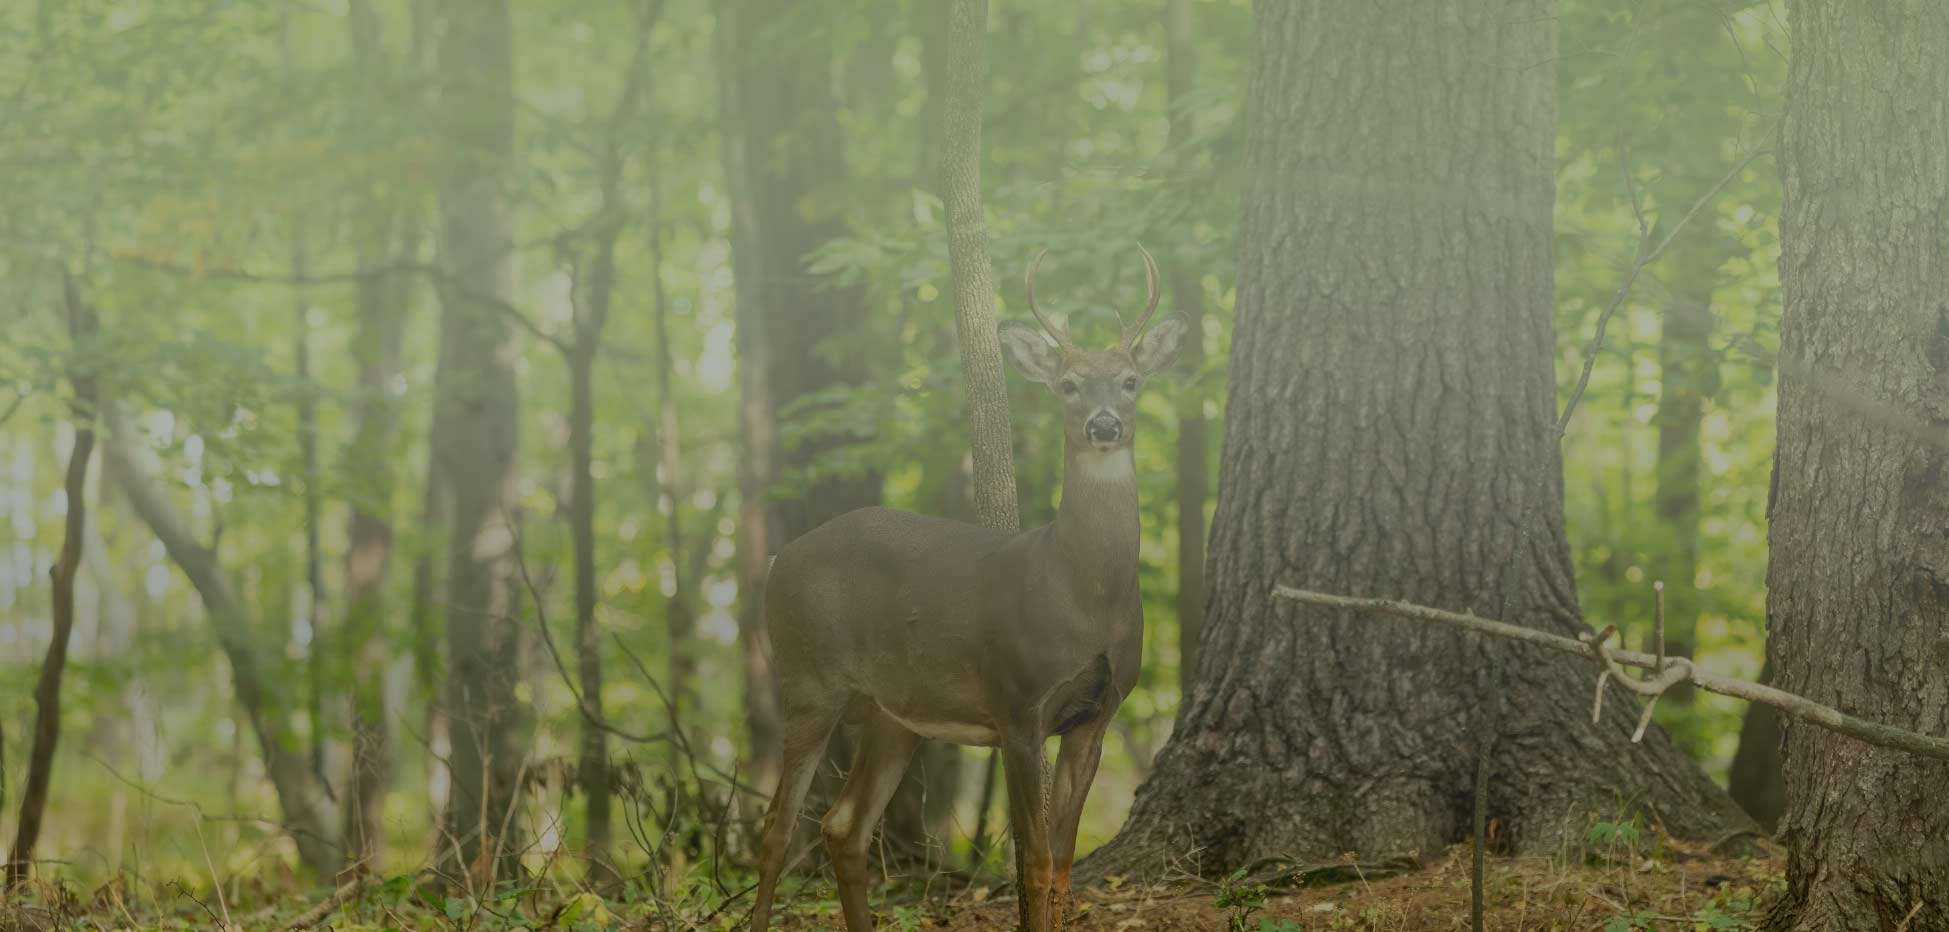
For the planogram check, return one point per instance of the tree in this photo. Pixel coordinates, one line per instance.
(1390, 403)
(1857, 592)
(47, 689)
(757, 430)
(1187, 295)
(475, 442)
(253, 675)
(382, 300)
(785, 168)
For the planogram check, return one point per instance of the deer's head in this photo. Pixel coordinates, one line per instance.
(1098, 388)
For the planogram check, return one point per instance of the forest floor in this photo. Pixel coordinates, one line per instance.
(1673, 886)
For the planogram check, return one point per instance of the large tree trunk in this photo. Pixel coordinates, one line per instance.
(475, 443)
(1391, 402)
(47, 689)
(1187, 296)
(1858, 588)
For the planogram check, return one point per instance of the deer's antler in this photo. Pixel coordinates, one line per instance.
(1059, 332)
(1154, 282)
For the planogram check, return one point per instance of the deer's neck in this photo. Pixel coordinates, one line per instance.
(1096, 524)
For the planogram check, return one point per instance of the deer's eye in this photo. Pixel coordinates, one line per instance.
(1067, 387)
(1130, 384)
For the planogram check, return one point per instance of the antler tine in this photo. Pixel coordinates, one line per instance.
(1060, 334)
(1154, 282)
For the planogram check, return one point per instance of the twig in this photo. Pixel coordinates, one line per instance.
(1643, 258)
(548, 639)
(1799, 707)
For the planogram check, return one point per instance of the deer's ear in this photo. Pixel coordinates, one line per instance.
(1031, 353)
(1159, 347)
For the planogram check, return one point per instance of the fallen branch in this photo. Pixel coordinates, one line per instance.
(1799, 707)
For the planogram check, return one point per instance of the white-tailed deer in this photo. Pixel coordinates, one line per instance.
(916, 627)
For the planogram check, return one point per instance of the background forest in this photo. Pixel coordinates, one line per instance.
(432, 352)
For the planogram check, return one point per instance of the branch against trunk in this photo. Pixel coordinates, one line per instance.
(969, 265)
(47, 690)
(299, 796)
(1798, 707)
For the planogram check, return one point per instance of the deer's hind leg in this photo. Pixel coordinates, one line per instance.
(808, 723)
(885, 747)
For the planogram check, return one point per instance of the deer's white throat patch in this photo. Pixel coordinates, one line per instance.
(1114, 466)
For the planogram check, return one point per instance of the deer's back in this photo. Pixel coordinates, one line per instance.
(877, 588)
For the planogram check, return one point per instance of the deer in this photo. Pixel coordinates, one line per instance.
(912, 627)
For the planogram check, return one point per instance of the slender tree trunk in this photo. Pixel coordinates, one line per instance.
(1391, 396)
(1755, 781)
(252, 674)
(1858, 588)
(47, 689)
(1687, 373)
(591, 315)
(593, 767)
(317, 649)
(680, 612)
(382, 302)
(967, 249)
(1187, 295)
(476, 421)
(756, 428)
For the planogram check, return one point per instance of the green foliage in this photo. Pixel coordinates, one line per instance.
(1240, 899)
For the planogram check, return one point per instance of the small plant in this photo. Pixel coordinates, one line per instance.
(1240, 900)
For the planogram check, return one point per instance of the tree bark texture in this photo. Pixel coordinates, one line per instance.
(1391, 400)
(475, 443)
(968, 264)
(67, 566)
(1858, 587)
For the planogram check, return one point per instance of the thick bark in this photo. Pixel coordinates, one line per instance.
(1858, 587)
(1687, 374)
(1754, 781)
(252, 673)
(1187, 296)
(475, 443)
(1391, 399)
(47, 689)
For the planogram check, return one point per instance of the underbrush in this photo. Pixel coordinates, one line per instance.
(1622, 879)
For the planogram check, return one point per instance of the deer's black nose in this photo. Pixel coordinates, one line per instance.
(1104, 428)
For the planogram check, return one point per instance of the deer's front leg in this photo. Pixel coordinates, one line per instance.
(1028, 820)
(1076, 764)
